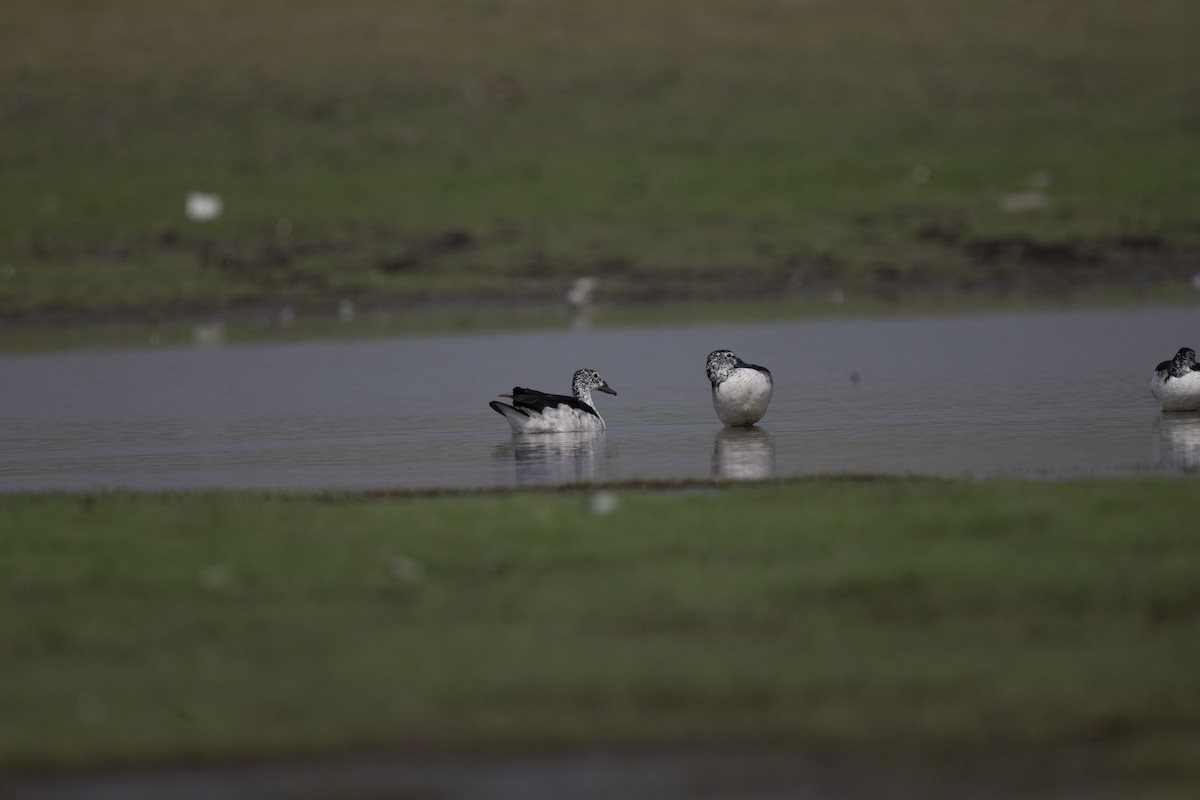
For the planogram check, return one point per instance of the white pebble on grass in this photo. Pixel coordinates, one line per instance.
(602, 503)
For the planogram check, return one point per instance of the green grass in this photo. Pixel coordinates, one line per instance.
(426, 150)
(988, 623)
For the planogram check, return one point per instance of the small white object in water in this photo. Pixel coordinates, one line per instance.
(1196, 281)
(346, 309)
(286, 315)
(203, 207)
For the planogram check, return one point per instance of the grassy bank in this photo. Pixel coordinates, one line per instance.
(394, 154)
(997, 623)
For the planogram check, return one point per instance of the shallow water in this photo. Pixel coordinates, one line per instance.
(1055, 393)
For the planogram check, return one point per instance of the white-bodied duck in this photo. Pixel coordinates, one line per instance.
(740, 391)
(533, 411)
(1176, 383)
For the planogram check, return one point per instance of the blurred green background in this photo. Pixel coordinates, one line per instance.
(414, 152)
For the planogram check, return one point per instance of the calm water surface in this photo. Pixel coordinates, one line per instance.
(1055, 393)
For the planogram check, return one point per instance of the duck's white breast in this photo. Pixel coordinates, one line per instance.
(742, 398)
(1177, 394)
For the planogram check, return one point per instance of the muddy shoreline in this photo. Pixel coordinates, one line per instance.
(457, 271)
(1033, 283)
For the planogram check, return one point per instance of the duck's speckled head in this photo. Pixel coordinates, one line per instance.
(585, 380)
(721, 364)
(1183, 363)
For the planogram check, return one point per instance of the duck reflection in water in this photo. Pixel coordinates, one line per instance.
(743, 454)
(1179, 441)
(569, 457)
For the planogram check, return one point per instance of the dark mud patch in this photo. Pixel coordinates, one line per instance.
(1024, 263)
(1027, 250)
(507, 266)
(422, 252)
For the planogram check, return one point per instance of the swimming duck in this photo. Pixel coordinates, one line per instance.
(740, 391)
(1176, 383)
(538, 412)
